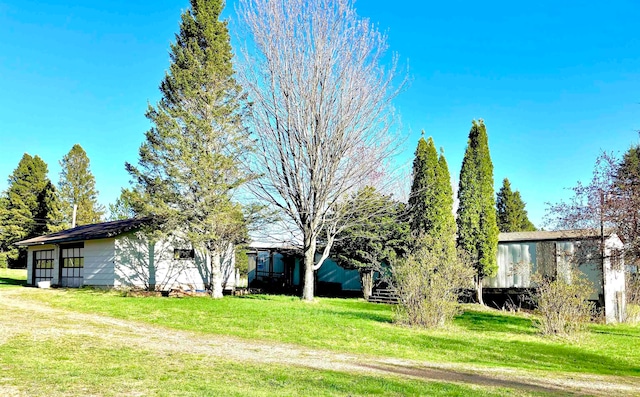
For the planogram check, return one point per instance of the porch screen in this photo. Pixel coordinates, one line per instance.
(72, 265)
(42, 266)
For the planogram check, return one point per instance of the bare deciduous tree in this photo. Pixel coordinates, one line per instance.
(609, 200)
(321, 112)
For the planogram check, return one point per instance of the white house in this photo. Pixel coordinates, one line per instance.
(549, 253)
(119, 254)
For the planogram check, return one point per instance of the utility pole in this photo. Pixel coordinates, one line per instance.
(73, 218)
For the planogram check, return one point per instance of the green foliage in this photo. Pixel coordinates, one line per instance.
(429, 281)
(511, 214)
(242, 259)
(445, 201)
(77, 186)
(376, 235)
(191, 161)
(124, 207)
(477, 226)
(624, 203)
(28, 208)
(423, 209)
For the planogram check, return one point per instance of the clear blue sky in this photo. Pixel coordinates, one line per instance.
(555, 82)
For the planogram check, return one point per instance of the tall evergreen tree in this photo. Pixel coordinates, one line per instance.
(511, 214)
(423, 199)
(77, 186)
(191, 160)
(445, 198)
(477, 226)
(28, 208)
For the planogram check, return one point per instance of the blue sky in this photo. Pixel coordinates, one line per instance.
(555, 82)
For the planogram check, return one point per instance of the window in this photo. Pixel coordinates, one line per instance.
(43, 265)
(181, 254)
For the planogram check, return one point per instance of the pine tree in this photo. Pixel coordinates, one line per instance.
(191, 160)
(28, 208)
(511, 213)
(378, 235)
(77, 186)
(477, 226)
(423, 200)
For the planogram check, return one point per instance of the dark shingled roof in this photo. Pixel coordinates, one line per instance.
(88, 232)
(552, 235)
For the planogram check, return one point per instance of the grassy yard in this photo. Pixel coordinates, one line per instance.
(50, 368)
(12, 277)
(477, 339)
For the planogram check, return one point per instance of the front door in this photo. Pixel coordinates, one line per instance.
(71, 265)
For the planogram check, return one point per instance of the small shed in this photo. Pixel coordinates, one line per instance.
(597, 255)
(120, 254)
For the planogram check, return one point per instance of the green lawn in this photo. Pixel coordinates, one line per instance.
(12, 277)
(34, 362)
(479, 337)
(50, 368)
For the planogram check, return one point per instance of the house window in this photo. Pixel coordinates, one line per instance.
(181, 254)
(42, 265)
(72, 265)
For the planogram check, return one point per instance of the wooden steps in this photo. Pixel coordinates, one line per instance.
(384, 295)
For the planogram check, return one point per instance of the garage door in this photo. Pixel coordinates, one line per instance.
(42, 266)
(72, 265)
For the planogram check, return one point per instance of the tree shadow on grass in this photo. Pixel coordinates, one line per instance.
(358, 314)
(534, 355)
(11, 281)
(490, 322)
(448, 375)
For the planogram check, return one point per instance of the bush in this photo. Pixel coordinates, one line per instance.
(633, 314)
(563, 303)
(428, 282)
(633, 288)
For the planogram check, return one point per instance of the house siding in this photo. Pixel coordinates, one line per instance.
(331, 272)
(144, 264)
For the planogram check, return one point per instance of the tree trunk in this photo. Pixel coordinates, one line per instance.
(309, 279)
(366, 276)
(216, 274)
(478, 281)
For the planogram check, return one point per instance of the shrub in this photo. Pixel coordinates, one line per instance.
(633, 314)
(428, 282)
(633, 287)
(563, 303)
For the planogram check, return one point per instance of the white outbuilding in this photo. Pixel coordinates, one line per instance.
(599, 256)
(119, 254)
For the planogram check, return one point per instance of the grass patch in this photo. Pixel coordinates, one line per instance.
(79, 366)
(478, 337)
(12, 277)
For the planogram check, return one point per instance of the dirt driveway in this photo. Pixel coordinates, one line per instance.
(18, 315)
